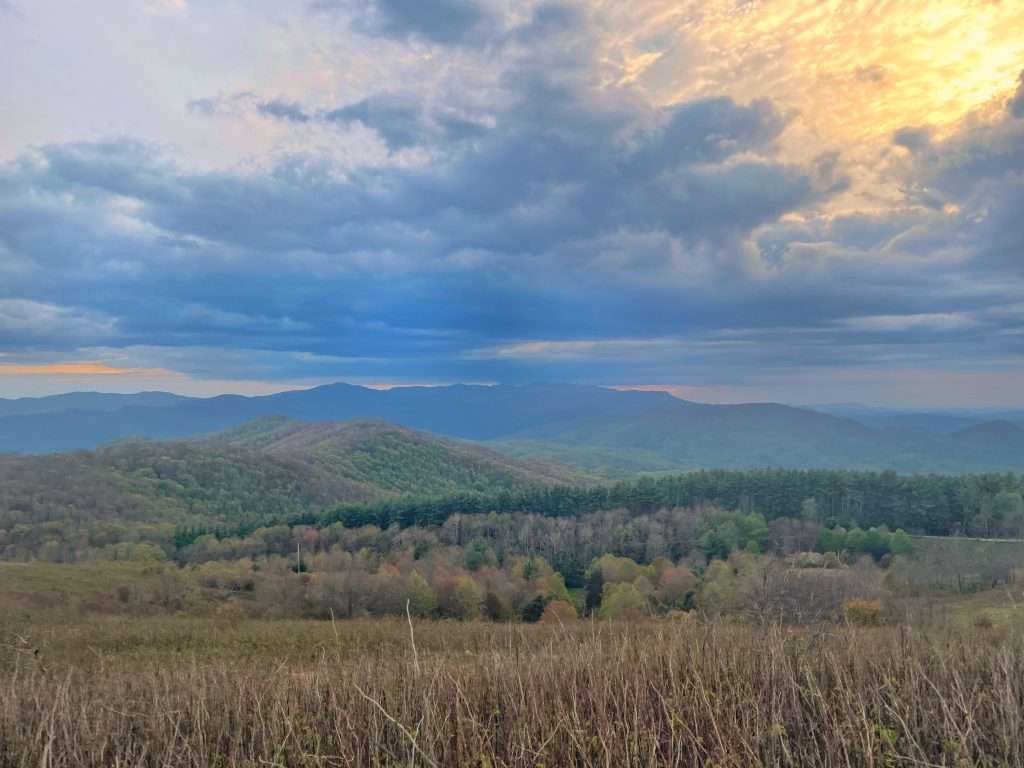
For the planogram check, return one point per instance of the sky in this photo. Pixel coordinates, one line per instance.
(804, 201)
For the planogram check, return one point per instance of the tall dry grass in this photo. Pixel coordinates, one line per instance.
(656, 694)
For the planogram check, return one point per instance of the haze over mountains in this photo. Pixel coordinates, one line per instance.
(591, 427)
(940, 422)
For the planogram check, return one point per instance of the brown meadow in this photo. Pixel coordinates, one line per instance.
(187, 692)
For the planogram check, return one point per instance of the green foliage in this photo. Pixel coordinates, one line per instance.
(876, 542)
(594, 590)
(533, 610)
(726, 532)
(724, 583)
(809, 509)
(939, 505)
(478, 554)
(461, 598)
(614, 569)
(623, 601)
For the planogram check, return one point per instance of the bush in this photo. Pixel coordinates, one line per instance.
(622, 601)
(558, 612)
(533, 610)
(865, 613)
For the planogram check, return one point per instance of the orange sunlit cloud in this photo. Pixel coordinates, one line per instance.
(853, 70)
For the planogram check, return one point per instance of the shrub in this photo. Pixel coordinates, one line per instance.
(557, 612)
(533, 610)
(865, 613)
(622, 601)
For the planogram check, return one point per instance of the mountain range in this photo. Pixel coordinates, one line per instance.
(598, 429)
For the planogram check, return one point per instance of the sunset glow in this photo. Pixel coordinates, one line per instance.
(854, 71)
(73, 369)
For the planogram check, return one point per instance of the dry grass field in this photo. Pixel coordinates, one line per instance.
(165, 691)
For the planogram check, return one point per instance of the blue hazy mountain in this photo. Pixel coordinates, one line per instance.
(589, 426)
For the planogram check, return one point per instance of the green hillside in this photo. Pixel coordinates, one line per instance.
(64, 506)
(390, 459)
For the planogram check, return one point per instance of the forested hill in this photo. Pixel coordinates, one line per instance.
(267, 469)
(389, 458)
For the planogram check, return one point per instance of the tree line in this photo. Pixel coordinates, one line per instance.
(986, 505)
(989, 505)
(940, 505)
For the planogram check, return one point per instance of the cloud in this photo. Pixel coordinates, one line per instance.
(936, 321)
(572, 350)
(400, 121)
(913, 138)
(233, 105)
(1016, 104)
(872, 73)
(23, 321)
(166, 6)
(445, 22)
(555, 155)
(8, 8)
(617, 224)
(510, 203)
(284, 110)
(74, 368)
(207, 318)
(403, 123)
(976, 176)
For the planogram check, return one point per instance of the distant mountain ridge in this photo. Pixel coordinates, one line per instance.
(472, 412)
(991, 430)
(599, 429)
(941, 422)
(86, 401)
